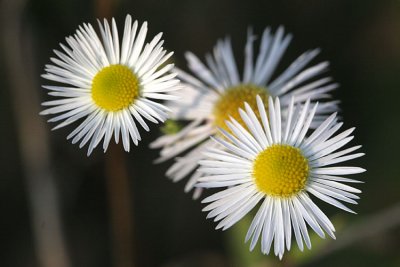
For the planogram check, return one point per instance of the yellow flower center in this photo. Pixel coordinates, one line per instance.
(115, 87)
(233, 98)
(280, 171)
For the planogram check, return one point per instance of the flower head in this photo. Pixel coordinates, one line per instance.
(272, 162)
(218, 91)
(111, 86)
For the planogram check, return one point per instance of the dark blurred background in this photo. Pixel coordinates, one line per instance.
(60, 208)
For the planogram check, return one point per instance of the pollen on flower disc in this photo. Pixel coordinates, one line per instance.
(232, 99)
(115, 87)
(280, 170)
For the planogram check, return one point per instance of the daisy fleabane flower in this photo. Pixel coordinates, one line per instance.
(271, 162)
(111, 86)
(218, 91)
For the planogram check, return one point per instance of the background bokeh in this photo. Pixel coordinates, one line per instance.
(61, 208)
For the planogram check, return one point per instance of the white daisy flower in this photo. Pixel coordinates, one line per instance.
(110, 85)
(218, 92)
(273, 163)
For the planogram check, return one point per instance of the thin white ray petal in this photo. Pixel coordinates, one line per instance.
(287, 228)
(248, 59)
(329, 200)
(264, 119)
(296, 227)
(268, 229)
(308, 217)
(338, 170)
(279, 243)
